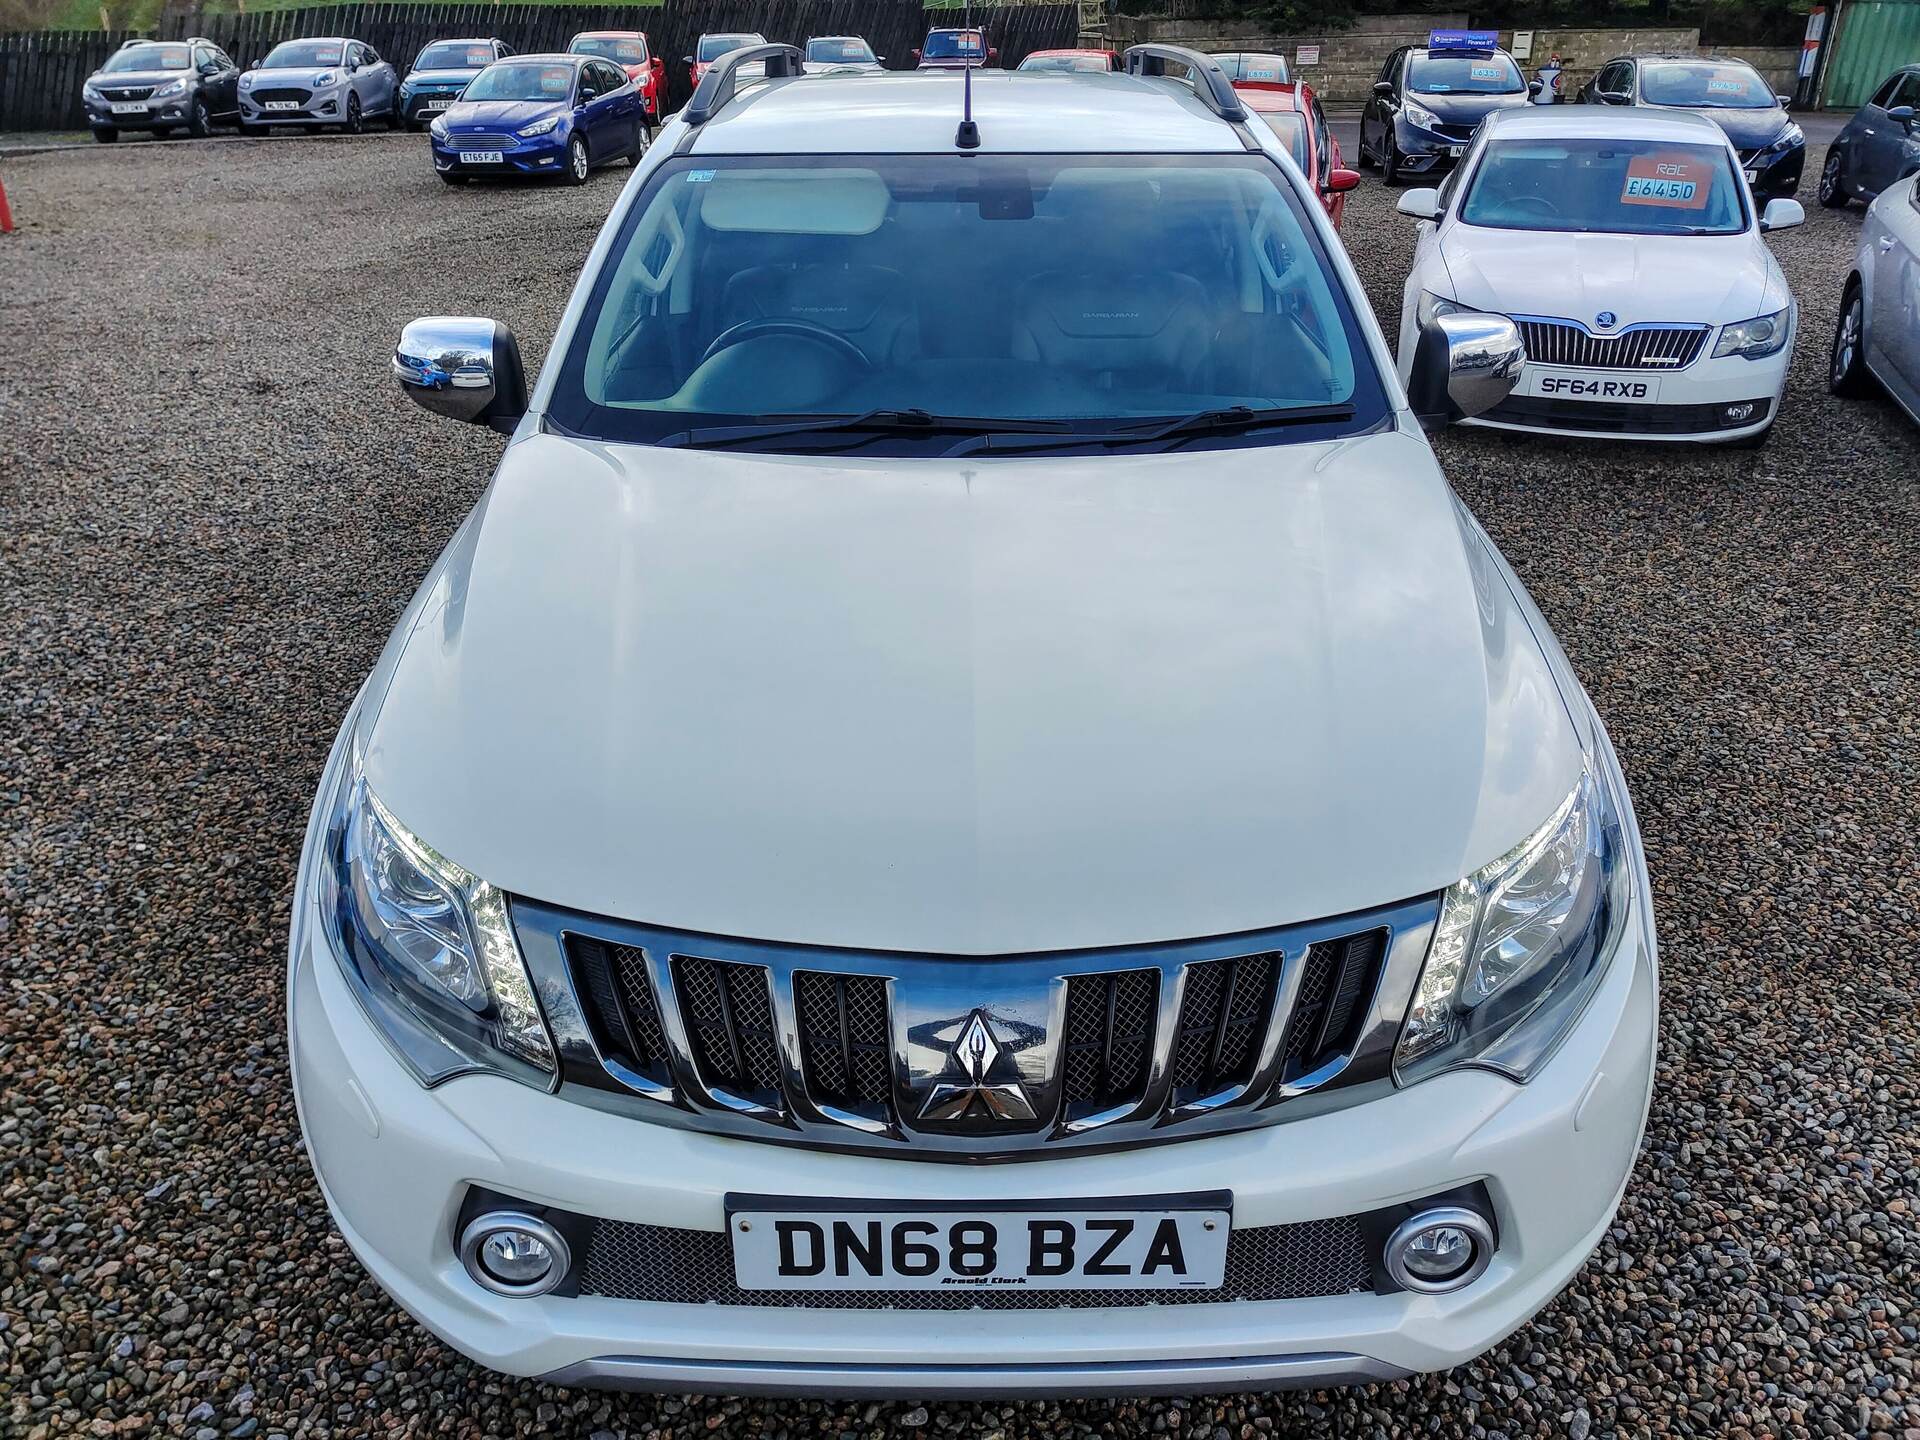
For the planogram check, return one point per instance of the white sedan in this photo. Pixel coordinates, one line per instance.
(1878, 336)
(1629, 250)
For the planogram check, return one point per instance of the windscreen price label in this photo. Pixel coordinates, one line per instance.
(1676, 181)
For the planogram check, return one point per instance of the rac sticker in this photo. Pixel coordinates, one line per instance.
(1678, 182)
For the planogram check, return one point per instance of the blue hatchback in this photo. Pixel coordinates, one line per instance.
(540, 115)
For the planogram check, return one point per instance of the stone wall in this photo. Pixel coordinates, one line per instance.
(1350, 59)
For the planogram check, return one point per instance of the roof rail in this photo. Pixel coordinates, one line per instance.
(717, 85)
(1210, 82)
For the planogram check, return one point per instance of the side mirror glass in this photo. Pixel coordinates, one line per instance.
(1465, 364)
(1421, 204)
(588, 94)
(1341, 181)
(465, 368)
(1782, 215)
(686, 59)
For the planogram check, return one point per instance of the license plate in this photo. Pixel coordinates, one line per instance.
(1456, 151)
(1573, 385)
(129, 107)
(482, 157)
(441, 104)
(1155, 1243)
(281, 105)
(1752, 175)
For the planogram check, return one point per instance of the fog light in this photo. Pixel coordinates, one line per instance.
(1738, 414)
(514, 1254)
(1440, 1250)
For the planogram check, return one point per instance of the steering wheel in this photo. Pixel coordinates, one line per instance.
(778, 325)
(1539, 202)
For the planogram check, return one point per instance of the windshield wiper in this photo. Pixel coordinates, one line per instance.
(885, 421)
(1184, 427)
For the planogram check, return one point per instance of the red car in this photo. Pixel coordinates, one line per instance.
(712, 47)
(630, 51)
(1292, 111)
(1058, 60)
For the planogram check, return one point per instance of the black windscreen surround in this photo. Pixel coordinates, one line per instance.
(1080, 289)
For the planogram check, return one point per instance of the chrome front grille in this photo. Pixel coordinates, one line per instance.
(970, 1057)
(126, 92)
(1637, 347)
(483, 142)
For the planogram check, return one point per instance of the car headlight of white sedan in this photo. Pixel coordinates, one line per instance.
(1431, 307)
(1520, 944)
(429, 949)
(1755, 339)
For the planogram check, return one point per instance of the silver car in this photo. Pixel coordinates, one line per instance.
(329, 81)
(1878, 334)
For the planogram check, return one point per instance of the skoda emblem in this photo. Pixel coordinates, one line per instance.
(969, 1089)
(1605, 319)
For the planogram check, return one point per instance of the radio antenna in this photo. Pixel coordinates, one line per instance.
(967, 137)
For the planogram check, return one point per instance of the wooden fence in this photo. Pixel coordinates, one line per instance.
(41, 71)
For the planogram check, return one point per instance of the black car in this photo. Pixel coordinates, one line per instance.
(162, 86)
(1430, 99)
(1879, 147)
(1773, 150)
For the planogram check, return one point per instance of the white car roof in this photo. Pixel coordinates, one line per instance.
(909, 113)
(1606, 122)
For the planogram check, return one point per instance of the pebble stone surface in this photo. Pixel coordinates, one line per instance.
(213, 506)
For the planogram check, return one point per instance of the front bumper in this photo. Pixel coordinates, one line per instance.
(1776, 173)
(1710, 402)
(418, 107)
(325, 108)
(540, 155)
(169, 114)
(1424, 151)
(397, 1163)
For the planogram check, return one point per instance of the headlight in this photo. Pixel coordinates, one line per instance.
(91, 91)
(1431, 307)
(1788, 138)
(1519, 944)
(1416, 114)
(1761, 336)
(324, 79)
(246, 80)
(169, 90)
(430, 949)
(438, 129)
(540, 127)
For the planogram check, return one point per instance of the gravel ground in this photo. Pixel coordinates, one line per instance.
(213, 505)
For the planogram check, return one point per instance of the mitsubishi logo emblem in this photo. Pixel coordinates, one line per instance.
(976, 1094)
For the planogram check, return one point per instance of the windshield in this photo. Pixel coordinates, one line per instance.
(300, 54)
(712, 47)
(840, 52)
(1037, 288)
(146, 57)
(1262, 69)
(622, 52)
(1097, 63)
(521, 82)
(1705, 86)
(955, 45)
(1293, 134)
(455, 55)
(1493, 74)
(1624, 187)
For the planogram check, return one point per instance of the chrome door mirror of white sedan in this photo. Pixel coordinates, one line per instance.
(464, 367)
(1421, 204)
(1781, 215)
(1466, 363)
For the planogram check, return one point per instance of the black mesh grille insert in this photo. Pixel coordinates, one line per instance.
(1335, 987)
(843, 1040)
(617, 996)
(1109, 1038)
(728, 1013)
(1223, 1019)
(695, 1267)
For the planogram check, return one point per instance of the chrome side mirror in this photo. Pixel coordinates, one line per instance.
(1465, 364)
(465, 368)
(1782, 215)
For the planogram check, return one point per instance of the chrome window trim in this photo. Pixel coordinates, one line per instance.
(916, 981)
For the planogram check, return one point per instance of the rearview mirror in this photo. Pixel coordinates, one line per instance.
(1534, 87)
(1903, 114)
(1782, 215)
(1421, 204)
(1383, 88)
(1785, 100)
(463, 367)
(1464, 364)
(1341, 181)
